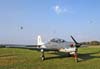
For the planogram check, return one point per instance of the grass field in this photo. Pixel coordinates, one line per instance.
(13, 58)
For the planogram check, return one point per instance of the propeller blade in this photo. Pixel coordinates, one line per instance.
(74, 40)
(76, 43)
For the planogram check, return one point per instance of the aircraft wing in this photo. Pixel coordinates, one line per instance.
(38, 49)
(31, 47)
(45, 49)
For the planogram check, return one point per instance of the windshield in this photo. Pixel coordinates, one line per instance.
(57, 40)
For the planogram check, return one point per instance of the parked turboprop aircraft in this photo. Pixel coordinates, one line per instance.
(55, 44)
(59, 45)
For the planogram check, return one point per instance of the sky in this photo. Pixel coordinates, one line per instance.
(48, 18)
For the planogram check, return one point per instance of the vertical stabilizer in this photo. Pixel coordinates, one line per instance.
(39, 40)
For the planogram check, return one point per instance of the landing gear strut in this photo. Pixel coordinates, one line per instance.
(42, 55)
(76, 57)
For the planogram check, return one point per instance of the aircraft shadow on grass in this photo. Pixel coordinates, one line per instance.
(57, 55)
(81, 57)
(88, 56)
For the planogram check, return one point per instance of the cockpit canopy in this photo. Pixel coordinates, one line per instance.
(57, 40)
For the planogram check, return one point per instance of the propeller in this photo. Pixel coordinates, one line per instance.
(76, 43)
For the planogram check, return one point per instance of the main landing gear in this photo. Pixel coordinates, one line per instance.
(42, 55)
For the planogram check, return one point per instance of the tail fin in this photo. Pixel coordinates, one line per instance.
(39, 40)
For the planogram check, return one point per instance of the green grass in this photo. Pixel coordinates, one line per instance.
(13, 58)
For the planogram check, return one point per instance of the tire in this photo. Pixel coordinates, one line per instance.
(43, 58)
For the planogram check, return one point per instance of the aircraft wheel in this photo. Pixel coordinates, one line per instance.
(43, 58)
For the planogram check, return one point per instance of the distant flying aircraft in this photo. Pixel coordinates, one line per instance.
(21, 27)
(55, 44)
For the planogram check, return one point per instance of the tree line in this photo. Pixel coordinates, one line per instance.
(91, 43)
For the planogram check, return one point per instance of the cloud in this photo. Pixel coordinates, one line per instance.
(58, 9)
